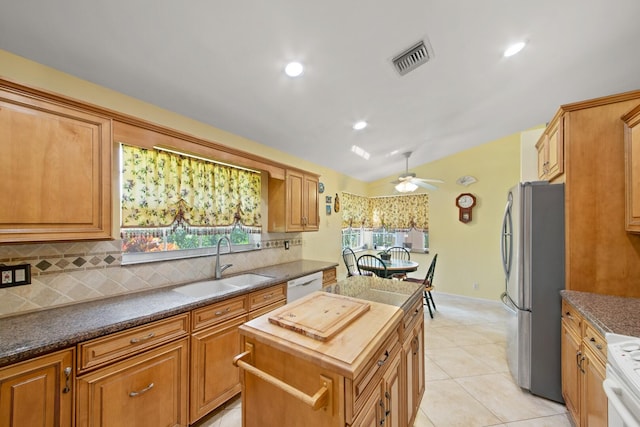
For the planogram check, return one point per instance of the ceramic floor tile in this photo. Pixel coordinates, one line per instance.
(447, 404)
(432, 371)
(422, 420)
(552, 421)
(503, 397)
(457, 362)
(492, 355)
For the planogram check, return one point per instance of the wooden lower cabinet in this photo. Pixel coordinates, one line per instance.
(583, 370)
(382, 408)
(413, 373)
(150, 389)
(214, 379)
(38, 392)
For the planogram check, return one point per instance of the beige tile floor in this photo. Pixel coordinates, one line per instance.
(468, 381)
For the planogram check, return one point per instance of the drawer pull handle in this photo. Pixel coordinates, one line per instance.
(144, 390)
(383, 361)
(67, 379)
(598, 345)
(221, 312)
(147, 337)
(321, 399)
(268, 296)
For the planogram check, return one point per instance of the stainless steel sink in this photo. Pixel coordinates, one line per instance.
(221, 286)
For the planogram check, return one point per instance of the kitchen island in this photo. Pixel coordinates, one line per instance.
(352, 355)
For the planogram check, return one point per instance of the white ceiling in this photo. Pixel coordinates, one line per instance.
(221, 62)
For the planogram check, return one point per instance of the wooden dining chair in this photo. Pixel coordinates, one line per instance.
(351, 263)
(398, 252)
(428, 285)
(374, 262)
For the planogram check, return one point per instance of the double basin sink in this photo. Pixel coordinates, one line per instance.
(222, 286)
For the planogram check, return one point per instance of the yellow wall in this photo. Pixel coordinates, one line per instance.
(468, 253)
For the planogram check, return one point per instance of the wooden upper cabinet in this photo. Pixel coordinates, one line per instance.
(551, 150)
(632, 169)
(294, 202)
(56, 172)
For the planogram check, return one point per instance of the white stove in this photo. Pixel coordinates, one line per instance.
(622, 384)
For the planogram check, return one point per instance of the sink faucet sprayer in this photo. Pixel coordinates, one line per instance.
(219, 269)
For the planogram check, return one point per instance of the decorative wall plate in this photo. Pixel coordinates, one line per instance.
(320, 187)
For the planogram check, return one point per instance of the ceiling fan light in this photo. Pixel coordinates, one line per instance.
(406, 187)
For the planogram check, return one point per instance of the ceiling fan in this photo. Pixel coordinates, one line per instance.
(407, 182)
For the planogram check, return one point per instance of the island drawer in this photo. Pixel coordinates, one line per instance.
(359, 388)
(218, 312)
(101, 351)
(411, 318)
(572, 318)
(267, 296)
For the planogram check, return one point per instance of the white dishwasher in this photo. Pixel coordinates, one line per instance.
(622, 384)
(297, 288)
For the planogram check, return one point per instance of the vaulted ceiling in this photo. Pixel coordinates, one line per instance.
(222, 63)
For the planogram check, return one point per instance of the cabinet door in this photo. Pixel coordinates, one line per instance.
(146, 390)
(594, 399)
(555, 150)
(38, 392)
(415, 372)
(632, 170)
(392, 395)
(57, 172)
(214, 379)
(295, 208)
(372, 412)
(571, 356)
(311, 204)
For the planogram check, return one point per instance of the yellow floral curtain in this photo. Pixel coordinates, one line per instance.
(160, 188)
(391, 212)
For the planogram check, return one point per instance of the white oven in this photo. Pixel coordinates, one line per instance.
(622, 384)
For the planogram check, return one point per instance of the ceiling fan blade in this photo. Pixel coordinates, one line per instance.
(428, 180)
(425, 185)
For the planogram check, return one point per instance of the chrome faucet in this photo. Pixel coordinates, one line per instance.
(220, 269)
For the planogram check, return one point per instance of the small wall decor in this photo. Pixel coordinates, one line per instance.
(327, 199)
(328, 209)
(320, 188)
(336, 204)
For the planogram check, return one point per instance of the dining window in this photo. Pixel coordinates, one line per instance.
(176, 206)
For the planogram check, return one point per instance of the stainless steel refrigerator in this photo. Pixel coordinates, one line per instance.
(532, 247)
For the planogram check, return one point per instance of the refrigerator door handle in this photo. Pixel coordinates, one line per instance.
(505, 300)
(506, 243)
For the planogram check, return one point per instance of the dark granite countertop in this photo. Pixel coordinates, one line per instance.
(608, 313)
(24, 336)
(372, 288)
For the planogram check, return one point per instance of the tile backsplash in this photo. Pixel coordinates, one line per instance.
(63, 273)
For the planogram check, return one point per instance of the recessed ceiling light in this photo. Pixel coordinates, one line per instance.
(360, 152)
(293, 69)
(360, 125)
(513, 49)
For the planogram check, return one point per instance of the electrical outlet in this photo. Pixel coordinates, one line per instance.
(476, 286)
(286, 245)
(15, 275)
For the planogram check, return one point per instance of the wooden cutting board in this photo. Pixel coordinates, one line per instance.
(320, 316)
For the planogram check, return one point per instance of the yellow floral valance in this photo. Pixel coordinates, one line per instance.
(160, 188)
(390, 212)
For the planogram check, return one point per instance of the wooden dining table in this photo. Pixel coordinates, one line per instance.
(394, 266)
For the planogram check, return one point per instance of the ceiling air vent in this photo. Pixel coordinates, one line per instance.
(412, 58)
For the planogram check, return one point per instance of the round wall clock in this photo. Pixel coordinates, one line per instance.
(465, 203)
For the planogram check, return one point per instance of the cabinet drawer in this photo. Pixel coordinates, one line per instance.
(572, 318)
(100, 351)
(329, 277)
(369, 378)
(412, 317)
(267, 296)
(595, 340)
(218, 312)
(266, 309)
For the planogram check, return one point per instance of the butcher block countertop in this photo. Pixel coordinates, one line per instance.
(346, 352)
(608, 313)
(24, 336)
